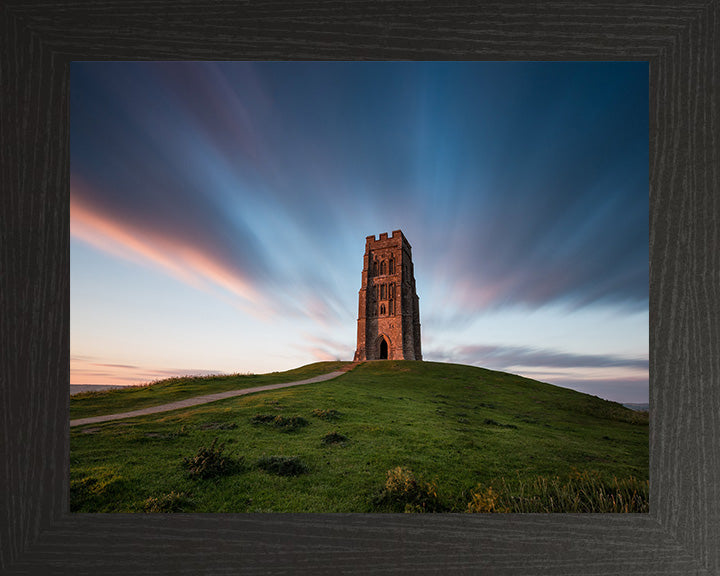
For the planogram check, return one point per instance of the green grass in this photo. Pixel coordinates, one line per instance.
(453, 429)
(579, 492)
(86, 404)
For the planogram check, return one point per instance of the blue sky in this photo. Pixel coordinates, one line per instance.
(219, 214)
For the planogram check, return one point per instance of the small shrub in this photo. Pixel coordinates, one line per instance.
(334, 438)
(210, 462)
(283, 465)
(172, 502)
(403, 492)
(326, 414)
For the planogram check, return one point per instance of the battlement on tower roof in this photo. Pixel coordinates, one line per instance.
(384, 240)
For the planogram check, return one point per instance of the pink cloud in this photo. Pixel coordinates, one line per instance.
(179, 259)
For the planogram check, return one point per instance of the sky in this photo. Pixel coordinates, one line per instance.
(219, 212)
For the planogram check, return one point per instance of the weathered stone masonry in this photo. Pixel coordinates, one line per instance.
(389, 314)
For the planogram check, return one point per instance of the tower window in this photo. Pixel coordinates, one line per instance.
(391, 266)
(383, 267)
(374, 268)
(382, 309)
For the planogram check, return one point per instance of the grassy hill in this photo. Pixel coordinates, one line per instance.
(386, 436)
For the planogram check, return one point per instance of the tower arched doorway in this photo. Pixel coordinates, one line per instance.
(383, 349)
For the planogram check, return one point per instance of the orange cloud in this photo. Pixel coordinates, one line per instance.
(181, 260)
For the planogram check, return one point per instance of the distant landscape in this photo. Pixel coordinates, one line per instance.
(80, 388)
(639, 407)
(387, 436)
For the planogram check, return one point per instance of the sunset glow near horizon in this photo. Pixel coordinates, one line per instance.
(219, 214)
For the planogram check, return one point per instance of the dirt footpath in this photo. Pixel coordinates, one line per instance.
(197, 400)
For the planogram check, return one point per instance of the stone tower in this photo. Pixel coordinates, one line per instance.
(389, 315)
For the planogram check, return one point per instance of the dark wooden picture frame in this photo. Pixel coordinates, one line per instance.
(681, 534)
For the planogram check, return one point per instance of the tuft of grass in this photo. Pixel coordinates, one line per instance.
(284, 423)
(334, 437)
(283, 465)
(584, 491)
(262, 418)
(404, 492)
(210, 462)
(171, 502)
(491, 422)
(330, 414)
(97, 494)
(486, 500)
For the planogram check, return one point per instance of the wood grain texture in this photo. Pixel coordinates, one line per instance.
(680, 536)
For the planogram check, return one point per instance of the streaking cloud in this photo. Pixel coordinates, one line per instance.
(177, 256)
